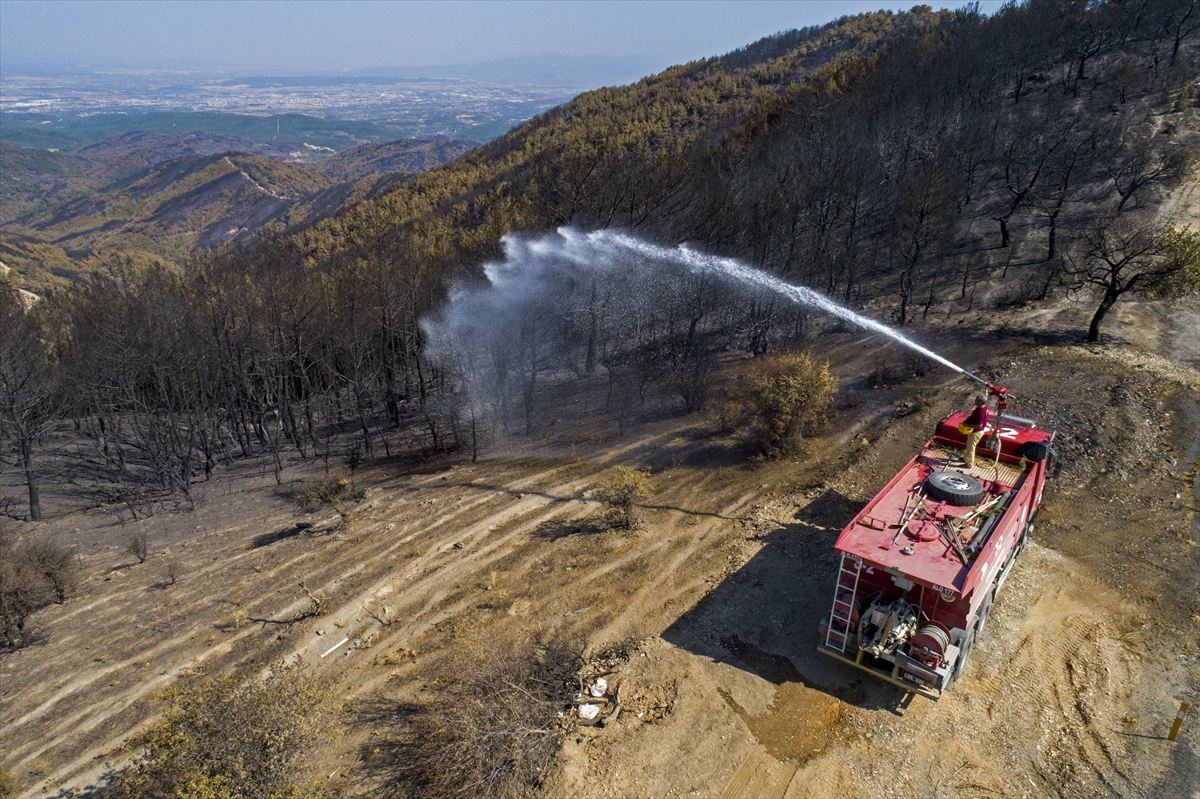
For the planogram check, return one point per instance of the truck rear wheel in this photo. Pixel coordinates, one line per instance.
(964, 650)
(985, 610)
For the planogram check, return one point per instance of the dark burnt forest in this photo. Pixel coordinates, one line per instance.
(896, 162)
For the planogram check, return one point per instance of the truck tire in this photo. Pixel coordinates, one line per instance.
(1025, 534)
(964, 651)
(1034, 450)
(954, 487)
(985, 610)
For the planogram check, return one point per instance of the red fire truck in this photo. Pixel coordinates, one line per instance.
(921, 564)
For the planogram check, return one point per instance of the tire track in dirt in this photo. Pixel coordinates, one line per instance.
(103, 625)
(437, 525)
(104, 628)
(432, 609)
(99, 711)
(669, 571)
(1053, 662)
(442, 584)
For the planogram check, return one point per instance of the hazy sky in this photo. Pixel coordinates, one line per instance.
(352, 34)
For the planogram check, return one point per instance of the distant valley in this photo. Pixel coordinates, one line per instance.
(468, 101)
(145, 196)
(147, 166)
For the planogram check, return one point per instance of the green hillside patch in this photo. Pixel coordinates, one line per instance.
(18, 163)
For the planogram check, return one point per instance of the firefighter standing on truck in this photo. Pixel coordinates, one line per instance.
(975, 426)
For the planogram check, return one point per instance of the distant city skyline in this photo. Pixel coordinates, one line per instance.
(266, 36)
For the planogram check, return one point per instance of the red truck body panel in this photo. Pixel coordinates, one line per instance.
(916, 560)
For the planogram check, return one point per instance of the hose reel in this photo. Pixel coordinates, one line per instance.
(930, 644)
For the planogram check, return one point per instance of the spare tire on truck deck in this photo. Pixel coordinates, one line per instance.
(954, 487)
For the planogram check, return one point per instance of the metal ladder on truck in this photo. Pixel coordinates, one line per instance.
(844, 595)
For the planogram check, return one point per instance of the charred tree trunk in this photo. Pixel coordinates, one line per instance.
(1110, 299)
(35, 498)
(1052, 238)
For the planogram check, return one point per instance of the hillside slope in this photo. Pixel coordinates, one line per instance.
(629, 140)
(403, 155)
(33, 180)
(616, 156)
(182, 204)
(63, 212)
(895, 156)
(141, 149)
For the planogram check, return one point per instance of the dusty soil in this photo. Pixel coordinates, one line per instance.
(707, 613)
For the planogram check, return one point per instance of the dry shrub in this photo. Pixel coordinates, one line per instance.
(318, 600)
(786, 395)
(57, 566)
(138, 546)
(620, 490)
(33, 574)
(731, 415)
(494, 727)
(233, 736)
(168, 573)
(324, 492)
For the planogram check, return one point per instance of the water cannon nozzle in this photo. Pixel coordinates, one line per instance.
(1001, 394)
(998, 391)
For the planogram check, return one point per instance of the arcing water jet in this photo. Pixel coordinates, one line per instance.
(608, 247)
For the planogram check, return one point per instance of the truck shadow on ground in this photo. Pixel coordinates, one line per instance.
(763, 617)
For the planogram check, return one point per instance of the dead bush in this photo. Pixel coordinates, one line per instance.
(138, 545)
(786, 395)
(57, 566)
(495, 726)
(233, 736)
(621, 489)
(324, 492)
(168, 573)
(33, 574)
(318, 602)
